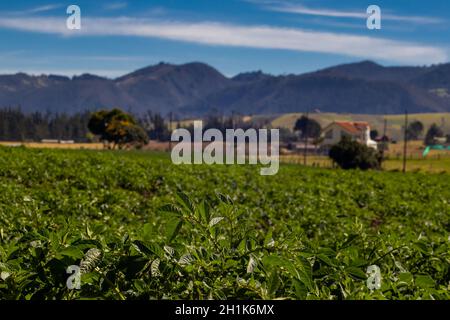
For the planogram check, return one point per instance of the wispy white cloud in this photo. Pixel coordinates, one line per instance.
(34, 10)
(11, 54)
(283, 6)
(116, 5)
(128, 58)
(156, 11)
(44, 8)
(255, 36)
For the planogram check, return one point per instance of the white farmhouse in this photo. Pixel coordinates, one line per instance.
(356, 130)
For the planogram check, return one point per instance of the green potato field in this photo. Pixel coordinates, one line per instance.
(140, 227)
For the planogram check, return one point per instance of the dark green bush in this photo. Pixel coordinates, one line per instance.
(350, 154)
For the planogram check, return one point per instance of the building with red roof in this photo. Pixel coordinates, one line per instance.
(356, 130)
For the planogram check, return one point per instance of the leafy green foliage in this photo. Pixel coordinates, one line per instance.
(350, 154)
(146, 229)
(308, 127)
(433, 132)
(117, 127)
(414, 130)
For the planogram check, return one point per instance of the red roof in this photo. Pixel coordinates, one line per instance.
(354, 127)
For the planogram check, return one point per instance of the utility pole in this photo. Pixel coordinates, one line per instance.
(170, 129)
(383, 138)
(405, 147)
(305, 149)
(232, 119)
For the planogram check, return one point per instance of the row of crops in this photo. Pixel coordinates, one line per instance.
(142, 228)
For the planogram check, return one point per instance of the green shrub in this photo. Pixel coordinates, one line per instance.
(349, 154)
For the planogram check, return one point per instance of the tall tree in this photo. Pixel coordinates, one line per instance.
(118, 128)
(415, 130)
(156, 127)
(433, 132)
(308, 126)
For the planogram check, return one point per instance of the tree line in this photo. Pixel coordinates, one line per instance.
(16, 125)
(433, 135)
(115, 125)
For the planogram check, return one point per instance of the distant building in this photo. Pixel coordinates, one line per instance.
(300, 147)
(356, 130)
(50, 141)
(440, 140)
(57, 141)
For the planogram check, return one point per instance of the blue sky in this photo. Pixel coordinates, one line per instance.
(275, 36)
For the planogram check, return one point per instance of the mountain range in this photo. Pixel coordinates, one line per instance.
(197, 89)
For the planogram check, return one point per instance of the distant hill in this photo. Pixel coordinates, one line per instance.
(196, 89)
(372, 71)
(364, 87)
(164, 87)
